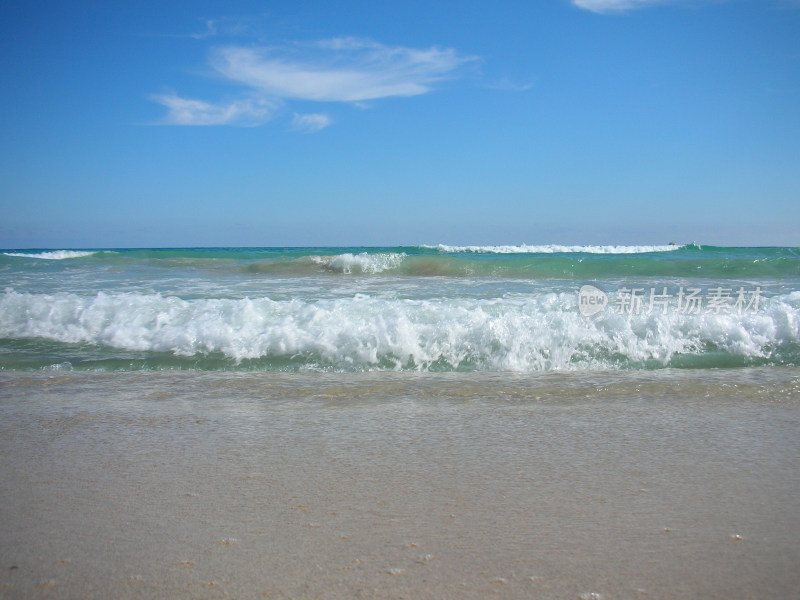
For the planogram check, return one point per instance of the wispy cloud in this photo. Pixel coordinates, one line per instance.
(184, 111)
(310, 123)
(612, 6)
(209, 31)
(621, 6)
(507, 85)
(341, 70)
(347, 69)
(230, 26)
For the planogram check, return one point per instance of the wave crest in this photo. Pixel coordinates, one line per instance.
(517, 333)
(554, 249)
(54, 254)
(360, 263)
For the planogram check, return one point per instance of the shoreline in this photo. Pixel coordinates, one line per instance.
(208, 485)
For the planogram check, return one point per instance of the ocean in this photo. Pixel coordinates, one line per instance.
(439, 308)
(425, 422)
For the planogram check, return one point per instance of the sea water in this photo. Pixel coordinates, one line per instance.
(426, 422)
(437, 308)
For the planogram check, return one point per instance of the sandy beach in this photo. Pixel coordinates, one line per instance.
(244, 485)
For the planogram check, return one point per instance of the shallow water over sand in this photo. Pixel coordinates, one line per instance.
(656, 484)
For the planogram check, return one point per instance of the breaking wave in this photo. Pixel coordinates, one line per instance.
(53, 254)
(555, 249)
(360, 263)
(361, 333)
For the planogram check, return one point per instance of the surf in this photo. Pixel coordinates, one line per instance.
(517, 333)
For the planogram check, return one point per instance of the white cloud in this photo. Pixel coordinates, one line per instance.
(506, 85)
(226, 26)
(210, 30)
(620, 6)
(347, 69)
(338, 70)
(608, 6)
(183, 111)
(310, 123)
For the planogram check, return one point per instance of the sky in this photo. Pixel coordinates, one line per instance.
(363, 123)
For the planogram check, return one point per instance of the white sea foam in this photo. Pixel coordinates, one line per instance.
(514, 334)
(53, 254)
(361, 263)
(554, 248)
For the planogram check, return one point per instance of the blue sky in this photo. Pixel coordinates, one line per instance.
(196, 123)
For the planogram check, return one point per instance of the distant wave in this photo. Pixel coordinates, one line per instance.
(554, 248)
(360, 263)
(54, 254)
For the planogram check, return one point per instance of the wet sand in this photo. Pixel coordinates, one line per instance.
(178, 485)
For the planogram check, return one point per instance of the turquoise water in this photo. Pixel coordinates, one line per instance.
(426, 308)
